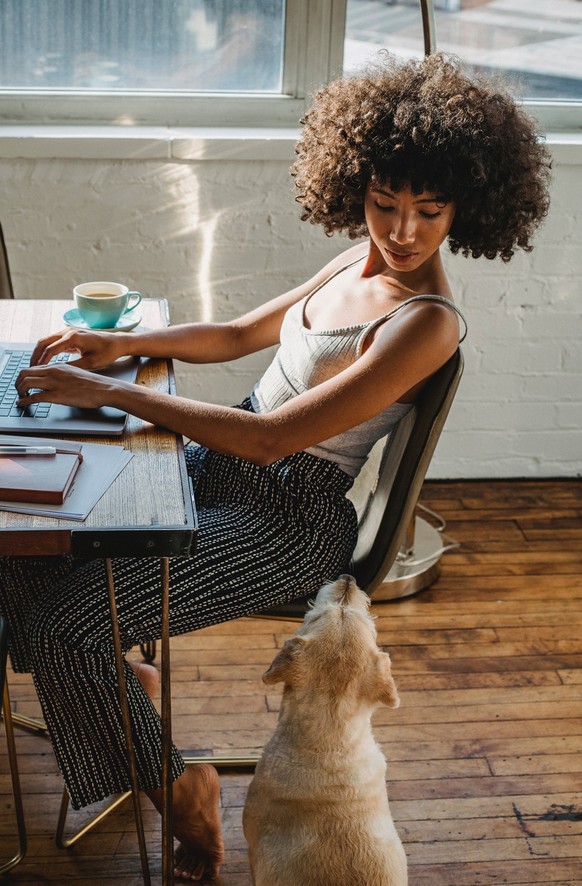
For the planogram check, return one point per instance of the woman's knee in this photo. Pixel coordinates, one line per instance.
(71, 616)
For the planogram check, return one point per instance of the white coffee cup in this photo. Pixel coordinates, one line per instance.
(101, 304)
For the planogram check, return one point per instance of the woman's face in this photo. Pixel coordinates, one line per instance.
(406, 228)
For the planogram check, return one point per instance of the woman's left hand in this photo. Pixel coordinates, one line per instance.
(63, 383)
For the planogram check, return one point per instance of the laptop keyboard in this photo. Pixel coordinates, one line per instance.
(12, 363)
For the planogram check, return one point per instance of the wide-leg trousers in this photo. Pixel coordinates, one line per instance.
(266, 535)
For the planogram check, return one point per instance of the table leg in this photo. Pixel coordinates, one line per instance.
(167, 820)
(124, 704)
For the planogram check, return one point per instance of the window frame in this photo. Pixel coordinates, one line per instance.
(313, 54)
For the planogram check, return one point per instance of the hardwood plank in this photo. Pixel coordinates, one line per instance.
(420, 789)
(539, 871)
(535, 807)
(542, 763)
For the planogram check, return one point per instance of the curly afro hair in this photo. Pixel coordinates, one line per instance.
(428, 124)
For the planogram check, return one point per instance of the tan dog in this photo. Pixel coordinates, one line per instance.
(317, 811)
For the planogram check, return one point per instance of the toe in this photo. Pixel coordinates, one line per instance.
(189, 867)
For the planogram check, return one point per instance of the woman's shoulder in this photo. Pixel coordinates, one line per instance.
(425, 318)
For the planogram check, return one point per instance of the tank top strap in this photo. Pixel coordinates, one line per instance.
(438, 298)
(328, 279)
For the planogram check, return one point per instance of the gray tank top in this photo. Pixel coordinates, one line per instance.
(307, 358)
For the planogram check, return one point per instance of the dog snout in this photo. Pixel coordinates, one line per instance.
(346, 585)
(343, 592)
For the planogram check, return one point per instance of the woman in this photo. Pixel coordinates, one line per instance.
(407, 155)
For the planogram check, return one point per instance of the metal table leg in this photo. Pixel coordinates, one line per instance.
(167, 818)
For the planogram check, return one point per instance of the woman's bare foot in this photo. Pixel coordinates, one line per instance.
(147, 675)
(195, 800)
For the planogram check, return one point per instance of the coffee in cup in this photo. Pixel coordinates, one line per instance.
(101, 304)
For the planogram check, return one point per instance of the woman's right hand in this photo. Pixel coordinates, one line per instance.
(96, 349)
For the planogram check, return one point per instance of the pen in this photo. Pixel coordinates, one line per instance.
(27, 450)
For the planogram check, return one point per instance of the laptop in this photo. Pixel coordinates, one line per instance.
(52, 418)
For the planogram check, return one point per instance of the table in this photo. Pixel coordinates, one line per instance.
(138, 516)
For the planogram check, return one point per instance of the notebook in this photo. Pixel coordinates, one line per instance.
(52, 418)
(102, 463)
(45, 479)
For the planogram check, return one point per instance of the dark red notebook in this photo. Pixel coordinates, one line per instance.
(42, 479)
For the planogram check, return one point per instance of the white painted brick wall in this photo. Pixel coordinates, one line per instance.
(217, 237)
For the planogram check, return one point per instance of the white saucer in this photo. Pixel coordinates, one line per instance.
(124, 324)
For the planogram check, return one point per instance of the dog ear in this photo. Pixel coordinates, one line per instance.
(387, 692)
(282, 665)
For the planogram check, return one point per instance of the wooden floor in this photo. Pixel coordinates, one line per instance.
(485, 752)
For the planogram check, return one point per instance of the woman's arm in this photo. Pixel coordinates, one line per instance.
(408, 349)
(189, 342)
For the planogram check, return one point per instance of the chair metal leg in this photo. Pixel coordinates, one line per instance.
(16, 792)
(237, 764)
(148, 651)
(30, 723)
(63, 842)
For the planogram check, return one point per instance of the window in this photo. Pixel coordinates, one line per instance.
(254, 62)
(535, 43)
(181, 45)
(196, 62)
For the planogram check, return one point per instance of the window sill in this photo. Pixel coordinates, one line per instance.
(145, 143)
(21, 142)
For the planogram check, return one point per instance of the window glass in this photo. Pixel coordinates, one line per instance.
(143, 45)
(372, 25)
(538, 43)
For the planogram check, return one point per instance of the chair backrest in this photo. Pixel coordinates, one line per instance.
(392, 484)
(404, 462)
(6, 289)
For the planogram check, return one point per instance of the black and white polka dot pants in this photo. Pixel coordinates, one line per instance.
(266, 535)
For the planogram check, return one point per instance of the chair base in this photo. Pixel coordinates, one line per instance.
(413, 572)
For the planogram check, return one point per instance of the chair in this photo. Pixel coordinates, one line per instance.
(6, 289)
(386, 494)
(12, 762)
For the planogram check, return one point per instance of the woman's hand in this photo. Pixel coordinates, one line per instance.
(64, 383)
(96, 349)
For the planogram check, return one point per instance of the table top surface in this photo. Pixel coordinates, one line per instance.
(149, 509)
